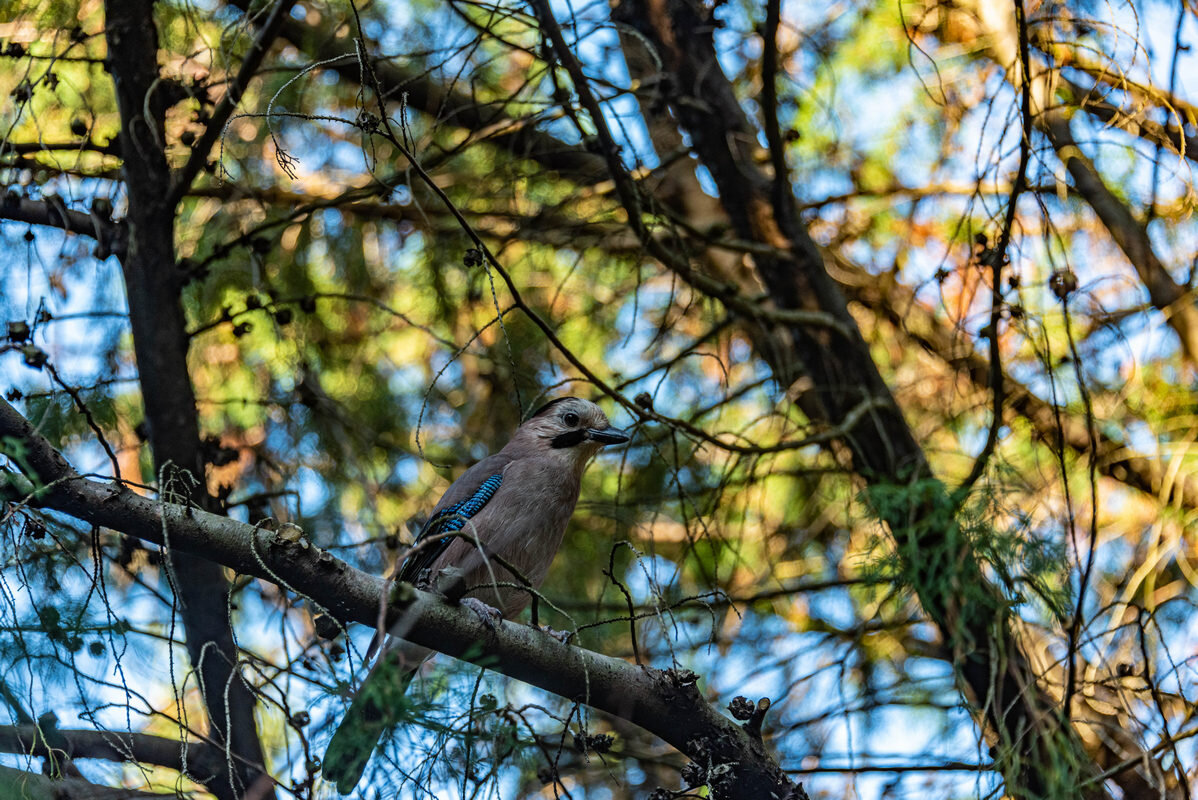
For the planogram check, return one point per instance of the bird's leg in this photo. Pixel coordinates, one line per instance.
(561, 636)
(488, 615)
(452, 585)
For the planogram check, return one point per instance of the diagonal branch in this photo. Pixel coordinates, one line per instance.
(1140, 95)
(182, 180)
(665, 703)
(1171, 137)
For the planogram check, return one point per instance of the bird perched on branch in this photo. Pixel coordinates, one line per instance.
(493, 533)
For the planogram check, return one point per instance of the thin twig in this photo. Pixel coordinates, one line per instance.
(87, 415)
(181, 181)
(998, 257)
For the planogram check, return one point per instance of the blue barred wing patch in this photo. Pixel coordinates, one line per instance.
(447, 520)
(454, 517)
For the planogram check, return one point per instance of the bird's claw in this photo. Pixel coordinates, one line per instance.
(561, 636)
(488, 615)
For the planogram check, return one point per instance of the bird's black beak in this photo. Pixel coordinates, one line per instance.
(607, 435)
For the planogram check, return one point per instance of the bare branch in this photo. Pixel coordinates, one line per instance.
(181, 181)
(18, 783)
(1171, 137)
(667, 704)
(1129, 233)
(110, 236)
(116, 746)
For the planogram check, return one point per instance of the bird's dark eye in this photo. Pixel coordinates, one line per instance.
(570, 418)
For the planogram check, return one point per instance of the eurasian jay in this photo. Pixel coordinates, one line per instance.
(513, 505)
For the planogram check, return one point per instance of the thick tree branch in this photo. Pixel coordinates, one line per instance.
(22, 785)
(110, 746)
(110, 236)
(82, 146)
(667, 704)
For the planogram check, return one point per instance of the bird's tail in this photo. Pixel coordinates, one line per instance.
(378, 705)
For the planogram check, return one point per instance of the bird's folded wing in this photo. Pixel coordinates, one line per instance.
(464, 498)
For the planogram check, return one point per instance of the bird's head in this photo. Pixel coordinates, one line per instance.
(573, 428)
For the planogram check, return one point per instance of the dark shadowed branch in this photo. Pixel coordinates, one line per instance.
(666, 703)
(160, 343)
